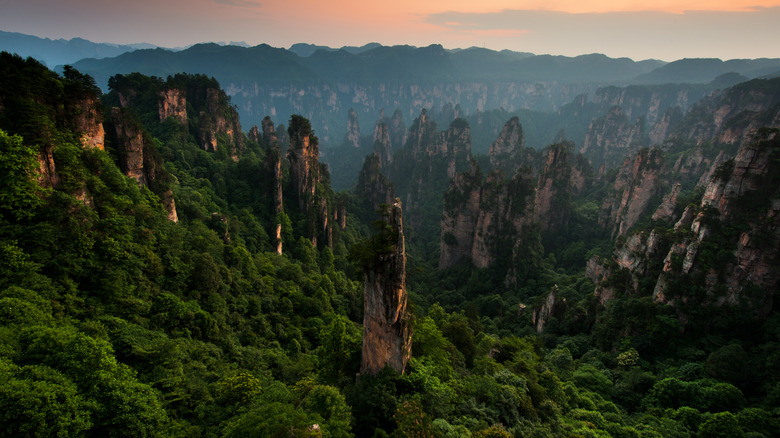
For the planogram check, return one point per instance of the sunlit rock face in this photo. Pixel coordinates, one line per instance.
(387, 334)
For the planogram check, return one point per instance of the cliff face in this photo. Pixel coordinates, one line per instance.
(89, 122)
(373, 188)
(173, 103)
(397, 130)
(270, 139)
(722, 251)
(637, 183)
(305, 177)
(732, 116)
(460, 216)
(422, 169)
(739, 214)
(486, 221)
(304, 156)
(219, 119)
(383, 148)
(504, 152)
(353, 129)
(551, 308)
(554, 188)
(612, 137)
(138, 159)
(387, 334)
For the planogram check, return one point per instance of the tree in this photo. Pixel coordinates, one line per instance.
(720, 425)
(20, 193)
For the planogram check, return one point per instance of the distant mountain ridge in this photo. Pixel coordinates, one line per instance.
(61, 51)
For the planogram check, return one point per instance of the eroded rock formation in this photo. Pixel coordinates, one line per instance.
(304, 156)
(139, 159)
(353, 129)
(504, 152)
(173, 103)
(638, 181)
(387, 334)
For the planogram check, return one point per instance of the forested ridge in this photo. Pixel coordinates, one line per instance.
(117, 320)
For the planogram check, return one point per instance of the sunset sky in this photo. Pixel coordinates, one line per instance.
(663, 29)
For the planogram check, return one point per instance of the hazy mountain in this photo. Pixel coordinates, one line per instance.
(705, 70)
(305, 50)
(322, 83)
(61, 51)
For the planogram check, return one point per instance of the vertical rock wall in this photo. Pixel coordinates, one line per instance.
(387, 335)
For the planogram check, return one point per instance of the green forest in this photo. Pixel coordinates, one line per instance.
(117, 321)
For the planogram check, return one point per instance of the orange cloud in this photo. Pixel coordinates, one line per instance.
(497, 32)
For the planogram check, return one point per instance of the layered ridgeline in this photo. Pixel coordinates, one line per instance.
(324, 84)
(166, 273)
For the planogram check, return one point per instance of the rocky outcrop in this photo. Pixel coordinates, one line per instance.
(173, 103)
(387, 333)
(270, 139)
(482, 220)
(460, 217)
(554, 188)
(397, 130)
(661, 129)
(612, 137)
(505, 151)
(254, 134)
(219, 119)
(637, 183)
(739, 214)
(722, 251)
(383, 147)
(665, 211)
(422, 134)
(89, 123)
(631, 261)
(552, 307)
(485, 221)
(304, 156)
(139, 159)
(305, 181)
(429, 159)
(130, 146)
(731, 117)
(353, 129)
(373, 188)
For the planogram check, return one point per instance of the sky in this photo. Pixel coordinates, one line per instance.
(662, 29)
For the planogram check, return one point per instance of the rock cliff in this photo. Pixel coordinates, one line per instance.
(353, 129)
(486, 221)
(373, 188)
(89, 122)
(637, 184)
(173, 103)
(731, 247)
(304, 157)
(219, 120)
(505, 151)
(387, 333)
(612, 137)
(422, 169)
(383, 147)
(552, 307)
(139, 159)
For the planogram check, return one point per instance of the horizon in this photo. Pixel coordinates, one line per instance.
(244, 44)
(667, 31)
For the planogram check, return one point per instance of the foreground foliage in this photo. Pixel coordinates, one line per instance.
(115, 321)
